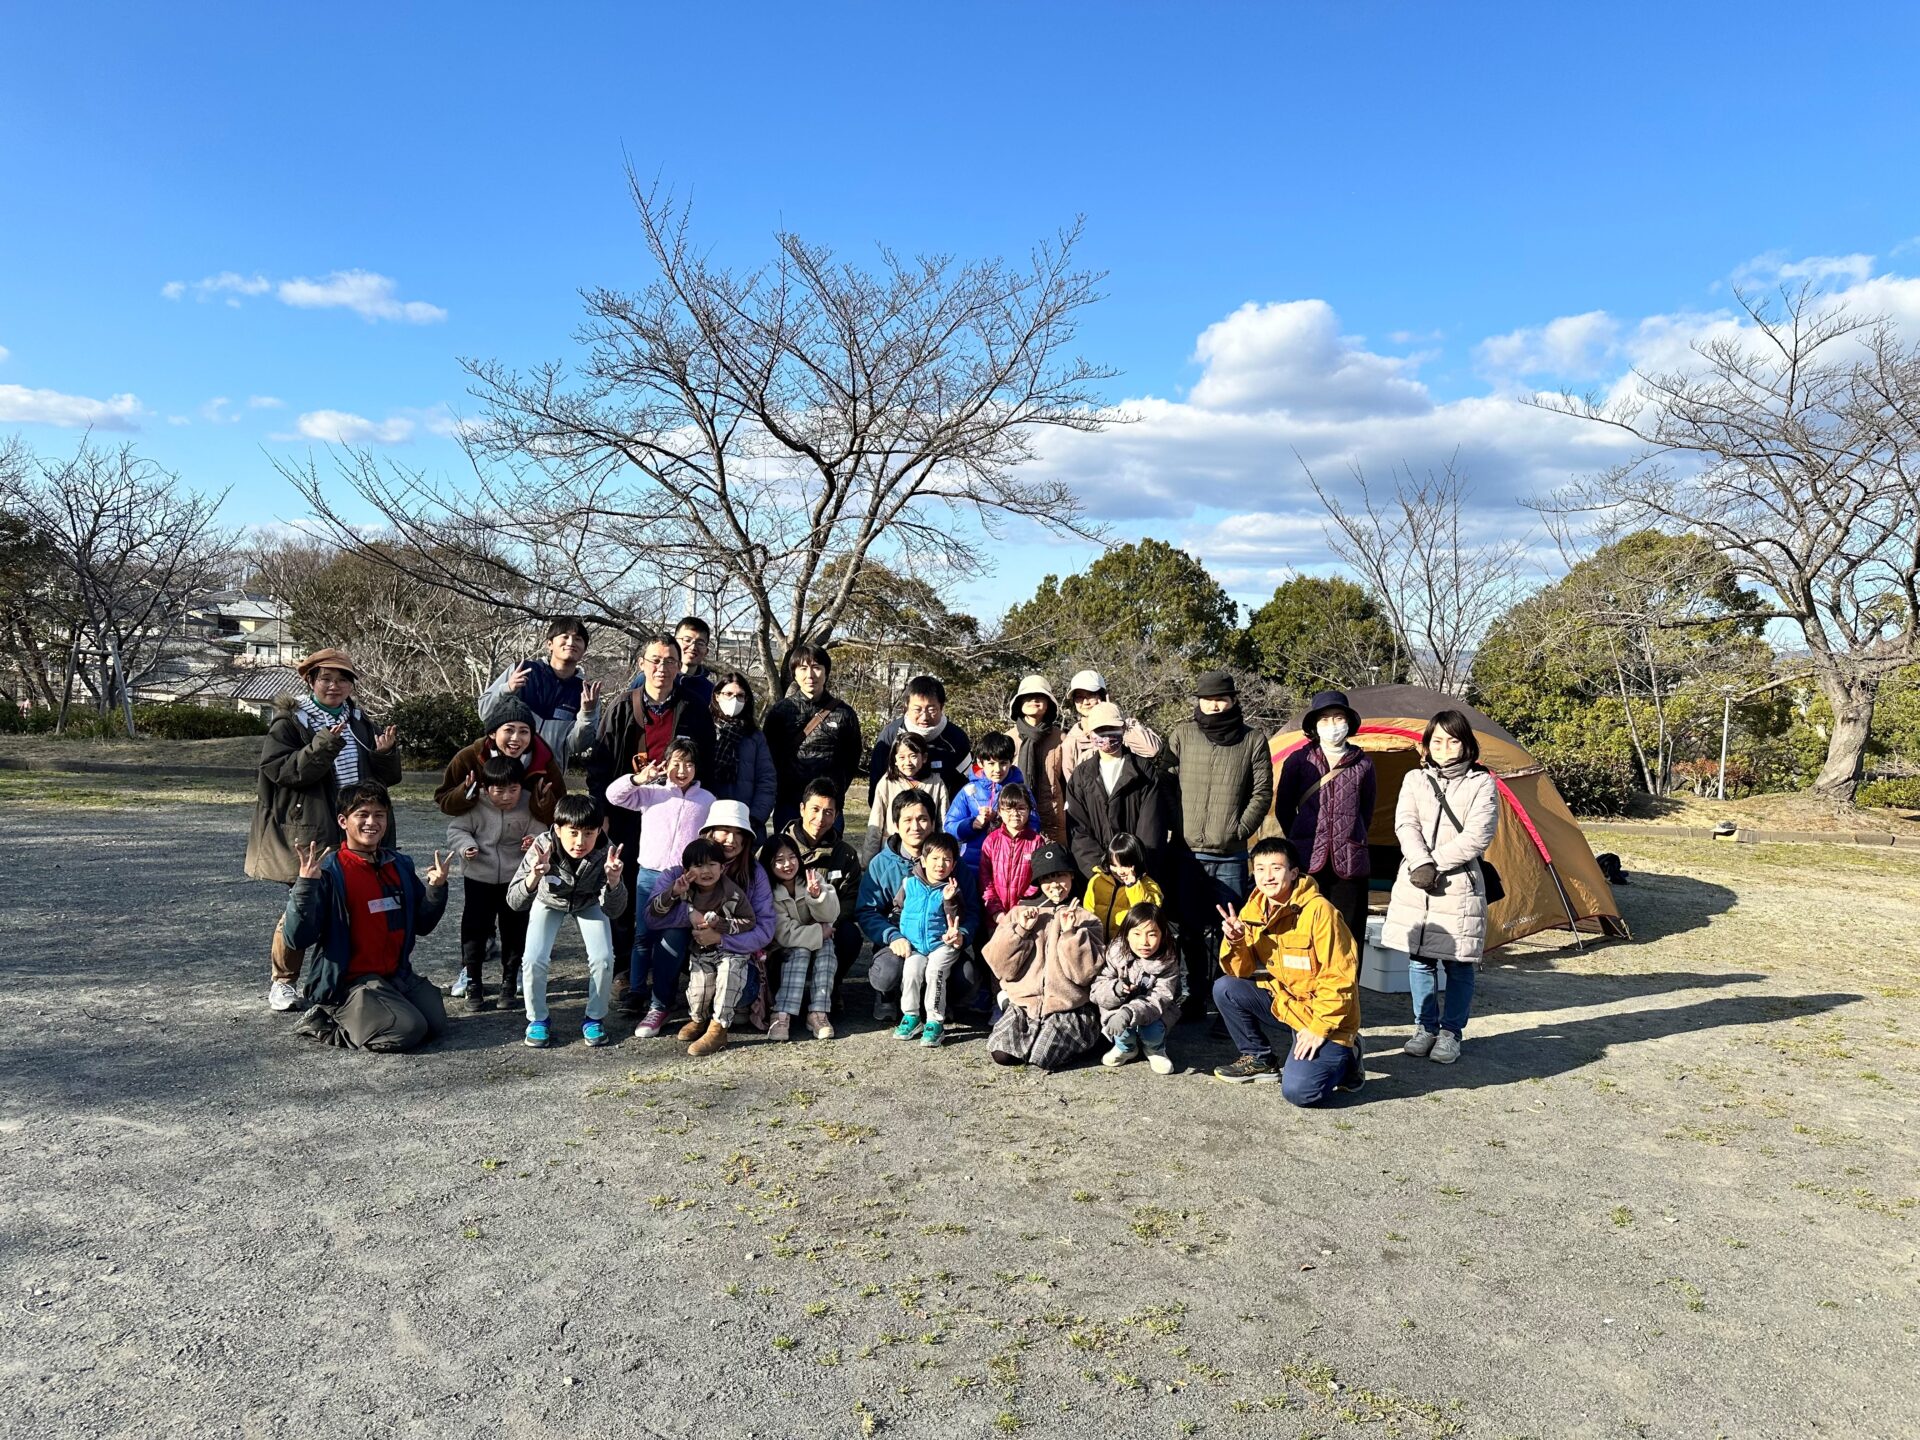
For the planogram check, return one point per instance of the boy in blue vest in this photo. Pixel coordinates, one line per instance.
(361, 908)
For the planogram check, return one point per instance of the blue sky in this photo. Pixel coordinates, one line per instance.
(1393, 218)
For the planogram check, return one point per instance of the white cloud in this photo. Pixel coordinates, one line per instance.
(368, 295)
(1774, 268)
(339, 427)
(21, 406)
(219, 411)
(1291, 357)
(264, 402)
(1281, 380)
(4, 352)
(1572, 347)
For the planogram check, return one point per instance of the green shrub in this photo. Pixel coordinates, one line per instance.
(434, 727)
(1895, 794)
(1592, 783)
(194, 722)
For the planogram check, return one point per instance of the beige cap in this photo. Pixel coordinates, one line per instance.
(1104, 716)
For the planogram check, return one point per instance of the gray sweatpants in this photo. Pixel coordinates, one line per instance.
(380, 1014)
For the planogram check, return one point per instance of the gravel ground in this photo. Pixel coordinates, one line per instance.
(1670, 1190)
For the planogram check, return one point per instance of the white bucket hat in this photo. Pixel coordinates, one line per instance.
(1031, 685)
(728, 815)
(1091, 681)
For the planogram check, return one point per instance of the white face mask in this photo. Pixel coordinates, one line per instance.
(1333, 733)
(731, 705)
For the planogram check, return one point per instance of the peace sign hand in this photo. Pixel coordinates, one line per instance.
(1231, 925)
(438, 873)
(589, 694)
(312, 857)
(387, 739)
(518, 678)
(615, 864)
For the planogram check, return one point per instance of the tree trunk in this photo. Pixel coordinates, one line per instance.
(1852, 703)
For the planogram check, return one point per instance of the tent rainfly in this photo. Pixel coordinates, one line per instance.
(1545, 862)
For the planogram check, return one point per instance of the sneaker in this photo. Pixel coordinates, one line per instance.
(714, 1039)
(650, 1027)
(908, 1027)
(884, 1010)
(821, 1024)
(693, 1029)
(930, 1037)
(778, 1027)
(1419, 1043)
(1249, 1070)
(459, 986)
(1357, 1072)
(594, 1032)
(1446, 1048)
(537, 1035)
(282, 996)
(1118, 1055)
(1159, 1061)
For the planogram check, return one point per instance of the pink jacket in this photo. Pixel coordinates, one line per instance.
(1006, 869)
(670, 818)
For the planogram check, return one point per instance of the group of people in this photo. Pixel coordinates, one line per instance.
(1073, 884)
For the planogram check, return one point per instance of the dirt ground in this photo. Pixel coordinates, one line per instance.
(1670, 1190)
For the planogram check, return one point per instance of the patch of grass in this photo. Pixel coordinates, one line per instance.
(1083, 1196)
(1622, 1217)
(1006, 1422)
(843, 1132)
(946, 1227)
(784, 1342)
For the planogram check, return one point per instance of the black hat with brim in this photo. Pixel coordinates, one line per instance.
(1327, 700)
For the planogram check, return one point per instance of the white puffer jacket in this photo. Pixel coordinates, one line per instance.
(1453, 924)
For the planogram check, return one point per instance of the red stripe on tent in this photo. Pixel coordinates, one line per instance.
(1416, 736)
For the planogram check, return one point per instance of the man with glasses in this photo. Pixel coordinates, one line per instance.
(632, 740)
(695, 639)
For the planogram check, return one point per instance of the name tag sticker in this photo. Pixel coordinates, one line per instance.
(836, 875)
(935, 764)
(383, 904)
(1296, 962)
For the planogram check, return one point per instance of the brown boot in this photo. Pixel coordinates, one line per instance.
(715, 1037)
(694, 1028)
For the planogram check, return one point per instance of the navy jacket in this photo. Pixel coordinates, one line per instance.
(317, 916)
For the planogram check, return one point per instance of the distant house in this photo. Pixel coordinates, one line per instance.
(235, 652)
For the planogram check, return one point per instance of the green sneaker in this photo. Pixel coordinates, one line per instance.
(1249, 1070)
(930, 1037)
(908, 1027)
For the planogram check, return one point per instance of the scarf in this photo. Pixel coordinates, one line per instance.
(317, 717)
(1451, 771)
(727, 730)
(1027, 739)
(1223, 728)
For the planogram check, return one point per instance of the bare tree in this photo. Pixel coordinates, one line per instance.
(1795, 452)
(135, 552)
(1439, 583)
(759, 437)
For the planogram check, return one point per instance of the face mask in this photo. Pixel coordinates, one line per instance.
(1106, 744)
(731, 705)
(1333, 733)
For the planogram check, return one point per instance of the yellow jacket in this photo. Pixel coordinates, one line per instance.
(1301, 951)
(1107, 898)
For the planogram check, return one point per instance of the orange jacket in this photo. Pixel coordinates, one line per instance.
(1301, 951)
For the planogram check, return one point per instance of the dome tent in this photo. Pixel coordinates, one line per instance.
(1544, 859)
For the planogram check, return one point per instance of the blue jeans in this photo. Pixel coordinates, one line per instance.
(1247, 1009)
(1153, 1036)
(1428, 1008)
(1215, 880)
(658, 955)
(543, 924)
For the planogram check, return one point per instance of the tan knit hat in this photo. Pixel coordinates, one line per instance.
(329, 659)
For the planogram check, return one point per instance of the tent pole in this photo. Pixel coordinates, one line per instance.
(1573, 921)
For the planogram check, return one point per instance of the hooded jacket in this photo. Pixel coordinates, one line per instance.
(558, 716)
(1144, 991)
(317, 912)
(1453, 924)
(298, 796)
(802, 921)
(1225, 790)
(921, 906)
(570, 885)
(497, 834)
(543, 780)
(882, 892)
(1107, 898)
(1046, 956)
(671, 818)
(1301, 953)
(1006, 869)
(979, 796)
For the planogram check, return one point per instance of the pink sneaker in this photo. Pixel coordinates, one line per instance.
(652, 1025)
(820, 1024)
(777, 1030)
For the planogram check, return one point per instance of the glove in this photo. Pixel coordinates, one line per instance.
(1426, 877)
(1115, 1021)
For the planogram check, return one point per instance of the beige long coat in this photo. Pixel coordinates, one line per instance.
(1453, 924)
